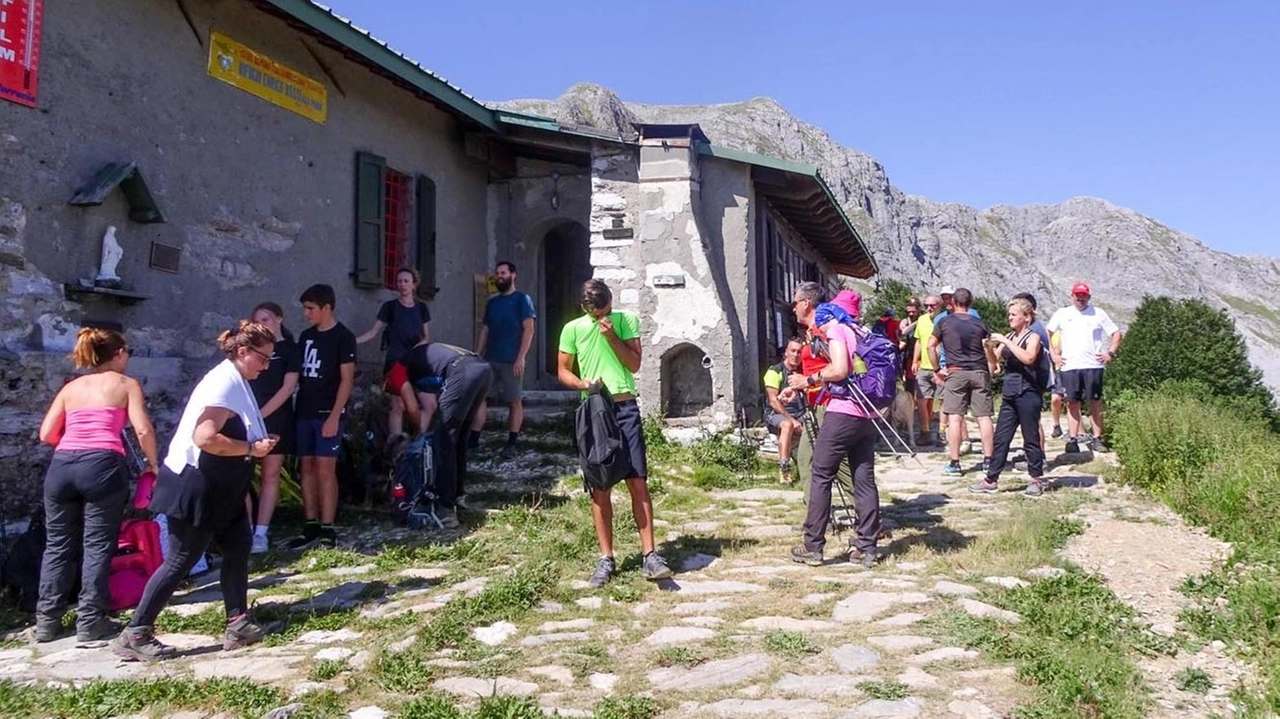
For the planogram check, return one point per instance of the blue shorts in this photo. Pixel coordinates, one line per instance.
(312, 444)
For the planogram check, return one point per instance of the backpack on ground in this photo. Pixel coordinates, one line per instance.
(21, 571)
(413, 482)
(875, 360)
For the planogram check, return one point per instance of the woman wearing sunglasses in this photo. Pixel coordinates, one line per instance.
(87, 484)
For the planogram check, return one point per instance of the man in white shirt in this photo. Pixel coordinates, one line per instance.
(1087, 342)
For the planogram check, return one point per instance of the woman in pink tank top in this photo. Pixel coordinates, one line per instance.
(87, 484)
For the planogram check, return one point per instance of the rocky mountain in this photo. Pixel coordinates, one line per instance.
(995, 251)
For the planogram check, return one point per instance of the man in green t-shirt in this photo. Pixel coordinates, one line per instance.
(606, 345)
(928, 386)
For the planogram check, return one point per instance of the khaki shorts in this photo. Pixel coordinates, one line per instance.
(507, 387)
(968, 389)
(927, 385)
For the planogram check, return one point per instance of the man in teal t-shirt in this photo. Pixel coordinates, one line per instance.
(606, 345)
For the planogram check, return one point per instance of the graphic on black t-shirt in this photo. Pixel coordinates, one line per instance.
(320, 356)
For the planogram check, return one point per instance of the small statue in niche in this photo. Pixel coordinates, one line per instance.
(111, 254)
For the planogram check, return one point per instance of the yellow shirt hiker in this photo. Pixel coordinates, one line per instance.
(924, 330)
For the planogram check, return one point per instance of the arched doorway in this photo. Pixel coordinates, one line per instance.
(686, 381)
(565, 263)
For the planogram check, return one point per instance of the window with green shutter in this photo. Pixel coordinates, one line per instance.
(371, 172)
(426, 250)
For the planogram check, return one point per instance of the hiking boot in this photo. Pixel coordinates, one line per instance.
(328, 538)
(804, 556)
(605, 569)
(1072, 447)
(139, 644)
(953, 469)
(865, 559)
(449, 519)
(1035, 488)
(985, 485)
(1056, 433)
(260, 545)
(44, 631)
(310, 535)
(509, 451)
(101, 629)
(655, 567)
(1096, 445)
(241, 632)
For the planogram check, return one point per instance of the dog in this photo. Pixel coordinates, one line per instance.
(902, 413)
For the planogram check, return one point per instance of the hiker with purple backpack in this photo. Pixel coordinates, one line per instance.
(848, 430)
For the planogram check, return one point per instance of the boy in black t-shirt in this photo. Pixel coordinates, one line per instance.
(327, 358)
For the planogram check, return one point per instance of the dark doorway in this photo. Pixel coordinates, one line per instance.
(686, 382)
(565, 265)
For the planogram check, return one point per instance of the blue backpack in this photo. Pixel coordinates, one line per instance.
(413, 483)
(875, 361)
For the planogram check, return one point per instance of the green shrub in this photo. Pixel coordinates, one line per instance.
(714, 477)
(891, 293)
(1189, 341)
(1164, 439)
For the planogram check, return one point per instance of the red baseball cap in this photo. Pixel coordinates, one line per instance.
(1080, 288)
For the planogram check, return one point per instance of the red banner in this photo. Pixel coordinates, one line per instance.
(20, 49)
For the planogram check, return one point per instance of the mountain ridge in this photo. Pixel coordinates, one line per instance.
(995, 251)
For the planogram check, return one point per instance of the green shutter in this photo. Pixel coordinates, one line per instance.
(426, 205)
(371, 208)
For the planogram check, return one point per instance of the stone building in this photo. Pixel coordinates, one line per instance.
(244, 149)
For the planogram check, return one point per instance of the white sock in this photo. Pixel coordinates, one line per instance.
(260, 530)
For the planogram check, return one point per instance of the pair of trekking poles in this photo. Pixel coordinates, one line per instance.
(884, 427)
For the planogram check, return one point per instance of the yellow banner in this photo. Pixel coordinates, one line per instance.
(257, 74)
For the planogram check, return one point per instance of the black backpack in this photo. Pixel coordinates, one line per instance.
(20, 574)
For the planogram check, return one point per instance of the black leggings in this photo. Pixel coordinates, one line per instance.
(1021, 411)
(186, 544)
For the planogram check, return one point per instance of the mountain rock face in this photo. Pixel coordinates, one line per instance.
(996, 251)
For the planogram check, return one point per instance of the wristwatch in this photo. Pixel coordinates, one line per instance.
(813, 379)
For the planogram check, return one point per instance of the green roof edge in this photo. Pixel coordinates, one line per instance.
(343, 32)
(799, 168)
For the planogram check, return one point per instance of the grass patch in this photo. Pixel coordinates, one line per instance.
(1193, 680)
(325, 670)
(210, 621)
(885, 689)
(1075, 645)
(101, 699)
(626, 708)
(679, 657)
(403, 672)
(298, 623)
(324, 559)
(793, 645)
(508, 598)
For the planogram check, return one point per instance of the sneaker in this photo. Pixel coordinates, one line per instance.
(328, 538)
(985, 485)
(1035, 488)
(241, 632)
(260, 544)
(804, 556)
(655, 567)
(310, 535)
(1073, 446)
(139, 644)
(509, 452)
(784, 472)
(100, 630)
(986, 467)
(1056, 433)
(953, 469)
(866, 559)
(605, 569)
(1096, 445)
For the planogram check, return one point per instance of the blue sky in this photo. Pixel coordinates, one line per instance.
(1171, 108)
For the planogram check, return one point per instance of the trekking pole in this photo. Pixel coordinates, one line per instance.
(880, 423)
(811, 429)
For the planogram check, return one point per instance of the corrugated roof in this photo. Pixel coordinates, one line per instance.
(813, 211)
(325, 23)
